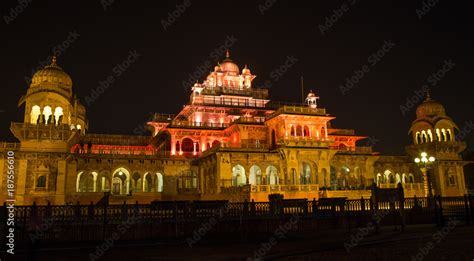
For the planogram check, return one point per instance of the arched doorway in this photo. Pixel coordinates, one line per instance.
(305, 173)
(159, 182)
(272, 175)
(120, 182)
(238, 176)
(255, 177)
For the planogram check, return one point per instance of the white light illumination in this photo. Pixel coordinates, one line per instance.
(417, 160)
(431, 159)
(424, 154)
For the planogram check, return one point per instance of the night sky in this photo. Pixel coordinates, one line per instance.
(173, 42)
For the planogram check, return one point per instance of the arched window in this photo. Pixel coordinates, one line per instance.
(323, 133)
(424, 138)
(215, 143)
(305, 173)
(159, 182)
(104, 182)
(86, 182)
(438, 135)
(343, 182)
(397, 178)
(411, 179)
(299, 131)
(418, 137)
(292, 132)
(272, 175)
(387, 176)
(306, 131)
(58, 115)
(255, 177)
(443, 132)
(187, 145)
(430, 136)
(41, 182)
(449, 137)
(147, 183)
(47, 115)
(35, 115)
(404, 178)
(238, 176)
(379, 179)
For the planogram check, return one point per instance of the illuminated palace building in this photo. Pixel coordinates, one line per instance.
(228, 142)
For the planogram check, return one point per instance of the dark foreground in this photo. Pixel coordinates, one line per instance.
(421, 242)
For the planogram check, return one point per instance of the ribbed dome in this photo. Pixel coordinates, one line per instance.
(52, 74)
(430, 108)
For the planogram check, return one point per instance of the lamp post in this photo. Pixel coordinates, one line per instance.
(424, 163)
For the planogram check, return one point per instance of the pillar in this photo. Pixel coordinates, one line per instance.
(173, 145)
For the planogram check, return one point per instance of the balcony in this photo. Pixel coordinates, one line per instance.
(254, 93)
(283, 188)
(200, 125)
(23, 131)
(406, 186)
(282, 108)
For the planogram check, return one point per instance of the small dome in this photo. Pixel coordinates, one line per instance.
(52, 74)
(246, 70)
(311, 94)
(430, 108)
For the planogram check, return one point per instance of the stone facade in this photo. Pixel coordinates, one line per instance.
(229, 142)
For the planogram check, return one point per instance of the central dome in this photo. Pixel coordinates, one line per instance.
(228, 65)
(52, 74)
(430, 108)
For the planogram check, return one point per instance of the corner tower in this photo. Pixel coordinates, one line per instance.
(433, 132)
(53, 116)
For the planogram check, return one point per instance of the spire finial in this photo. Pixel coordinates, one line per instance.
(428, 96)
(53, 60)
(227, 54)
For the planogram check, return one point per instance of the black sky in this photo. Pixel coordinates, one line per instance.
(288, 28)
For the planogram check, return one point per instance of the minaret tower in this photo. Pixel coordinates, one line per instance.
(433, 132)
(53, 116)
